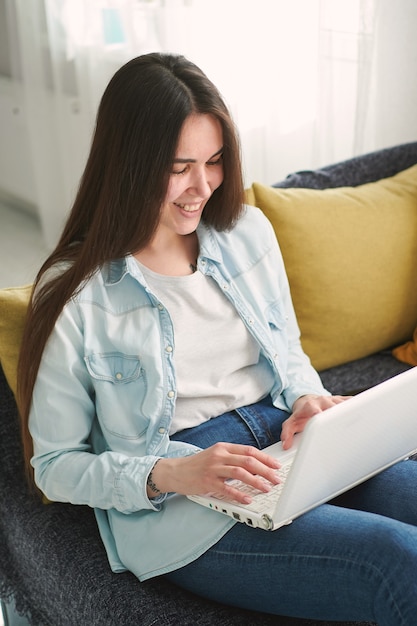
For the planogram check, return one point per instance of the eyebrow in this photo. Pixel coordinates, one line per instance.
(195, 160)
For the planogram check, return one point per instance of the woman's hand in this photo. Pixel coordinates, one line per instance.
(303, 409)
(208, 470)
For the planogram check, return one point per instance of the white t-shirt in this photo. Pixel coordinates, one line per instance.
(217, 361)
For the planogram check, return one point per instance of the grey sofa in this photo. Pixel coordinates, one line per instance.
(53, 568)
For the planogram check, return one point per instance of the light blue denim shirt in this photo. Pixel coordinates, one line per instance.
(106, 390)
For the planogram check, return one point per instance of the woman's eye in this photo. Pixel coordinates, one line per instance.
(218, 161)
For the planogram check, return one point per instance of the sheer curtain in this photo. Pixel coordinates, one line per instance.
(308, 82)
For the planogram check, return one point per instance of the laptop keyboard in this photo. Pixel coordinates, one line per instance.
(261, 501)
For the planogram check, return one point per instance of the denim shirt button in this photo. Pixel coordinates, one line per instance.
(119, 376)
(161, 430)
(168, 349)
(160, 307)
(171, 394)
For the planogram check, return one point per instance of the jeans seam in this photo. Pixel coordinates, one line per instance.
(371, 568)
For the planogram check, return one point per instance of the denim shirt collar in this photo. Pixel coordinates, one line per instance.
(114, 271)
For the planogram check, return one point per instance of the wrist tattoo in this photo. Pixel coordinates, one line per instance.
(149, 481)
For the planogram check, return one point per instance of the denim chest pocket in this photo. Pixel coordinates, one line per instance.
(114, 367)
(120, 388)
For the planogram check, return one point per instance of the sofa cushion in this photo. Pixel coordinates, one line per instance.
(13, 306)
(350, 255)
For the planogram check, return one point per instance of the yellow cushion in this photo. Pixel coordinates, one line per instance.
(351, 259)
(407, 352)
(13, 306)
(250, 196)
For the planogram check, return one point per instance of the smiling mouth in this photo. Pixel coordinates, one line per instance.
(189, 208)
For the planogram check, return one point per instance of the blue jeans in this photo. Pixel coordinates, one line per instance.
(352, 559)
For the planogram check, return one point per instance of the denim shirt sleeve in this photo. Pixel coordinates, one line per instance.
(61, 421)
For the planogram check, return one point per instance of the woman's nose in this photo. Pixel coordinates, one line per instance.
(200, 183)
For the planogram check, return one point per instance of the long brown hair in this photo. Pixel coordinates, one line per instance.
(117, 207)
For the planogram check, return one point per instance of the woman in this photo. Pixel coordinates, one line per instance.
(161, 354)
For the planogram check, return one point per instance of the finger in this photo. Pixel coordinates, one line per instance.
(242, 455)
(249, 459)
(258, 476)
(287, 440)
(339, 399)
(234, 490)
(330, 400)
(290, 428)
(238, 462)
(260, 460)
(251, 471)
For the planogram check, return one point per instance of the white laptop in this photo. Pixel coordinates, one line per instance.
(340, 448)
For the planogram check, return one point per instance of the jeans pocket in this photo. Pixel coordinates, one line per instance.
(264, 421)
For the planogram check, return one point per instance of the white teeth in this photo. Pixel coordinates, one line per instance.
(190, 208)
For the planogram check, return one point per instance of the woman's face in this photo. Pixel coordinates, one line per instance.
(196, 172)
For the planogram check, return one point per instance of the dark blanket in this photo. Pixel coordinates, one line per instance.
(53, 563)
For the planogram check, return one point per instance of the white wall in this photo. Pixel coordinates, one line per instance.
(50, 175)
(395, 107)
(17, 180)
